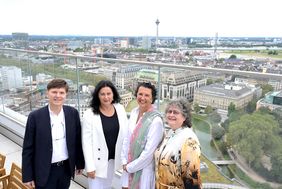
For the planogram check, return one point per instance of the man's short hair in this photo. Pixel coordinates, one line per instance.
(58, 83)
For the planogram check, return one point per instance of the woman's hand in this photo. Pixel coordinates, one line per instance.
(78, 171)
(30, 184)
(91, 174)
(124, 168)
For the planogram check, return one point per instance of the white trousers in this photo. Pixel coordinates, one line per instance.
(103, 183)
(124, 179)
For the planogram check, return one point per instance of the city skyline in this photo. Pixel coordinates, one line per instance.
(180, 18)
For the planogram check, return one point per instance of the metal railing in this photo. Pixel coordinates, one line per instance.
(158, 65)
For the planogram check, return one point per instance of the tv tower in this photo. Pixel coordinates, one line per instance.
(157, 37)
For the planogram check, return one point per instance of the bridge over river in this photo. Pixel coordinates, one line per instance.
(223, 162)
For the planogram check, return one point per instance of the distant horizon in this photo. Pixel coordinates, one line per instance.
(121, 36)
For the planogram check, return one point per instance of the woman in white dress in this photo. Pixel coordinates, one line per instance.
(103, 129)
(145, 133)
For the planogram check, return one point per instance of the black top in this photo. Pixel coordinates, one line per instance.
(111, 129)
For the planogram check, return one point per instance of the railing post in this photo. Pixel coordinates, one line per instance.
(159, 87)
(30, 84)
(77, 78)
(3, 105)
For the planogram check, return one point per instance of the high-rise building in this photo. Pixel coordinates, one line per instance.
(146, 42)
(11, 77)
(132, 42)
(20, 36)
(20, 40)
(124, 43)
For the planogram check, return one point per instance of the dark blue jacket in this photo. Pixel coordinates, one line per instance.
(37, 145)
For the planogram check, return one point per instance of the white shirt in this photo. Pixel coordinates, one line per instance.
(145, 161)
(58, 130)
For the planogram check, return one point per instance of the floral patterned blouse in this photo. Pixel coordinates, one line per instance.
(177, 161)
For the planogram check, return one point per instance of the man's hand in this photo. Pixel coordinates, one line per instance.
(30, 184)
(91, 174)
(78, 171)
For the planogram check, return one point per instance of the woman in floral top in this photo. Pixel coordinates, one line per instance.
(178, 157)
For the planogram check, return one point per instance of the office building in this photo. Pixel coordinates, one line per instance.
(220, 96)
(146, 42)
(180, 84)
(272, 100)
(11, 77)
(146, 75)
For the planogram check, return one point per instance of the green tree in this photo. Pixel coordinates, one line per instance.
(253, 135)
(251, 106)
(269, 52)
(209, 81)
(187, 53)
(217, 132)
(78, 50)
(197, 108)
(266, 88)
(274, 52)
(220, 60)
(231, 108)
(214, 117)
(276, 161)
(219, 80)
(264, 110)
(233, 56)
(235, 115)
(225, 124)
(208, 109)
(277, 113)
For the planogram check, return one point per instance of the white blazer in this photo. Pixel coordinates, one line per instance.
(94, 143)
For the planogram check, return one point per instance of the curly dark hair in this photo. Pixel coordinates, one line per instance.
(95, 101)
(149, 86)
(185, 108)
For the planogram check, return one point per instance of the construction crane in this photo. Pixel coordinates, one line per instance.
(215, 46)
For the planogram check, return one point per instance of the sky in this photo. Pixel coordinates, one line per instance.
(179, 18)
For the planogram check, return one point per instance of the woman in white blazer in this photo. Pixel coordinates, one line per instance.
(103, 129)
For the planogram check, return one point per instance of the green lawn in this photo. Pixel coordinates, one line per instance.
(213, 175)
(254, 53)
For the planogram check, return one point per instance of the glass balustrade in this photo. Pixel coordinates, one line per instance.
(24, 76)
